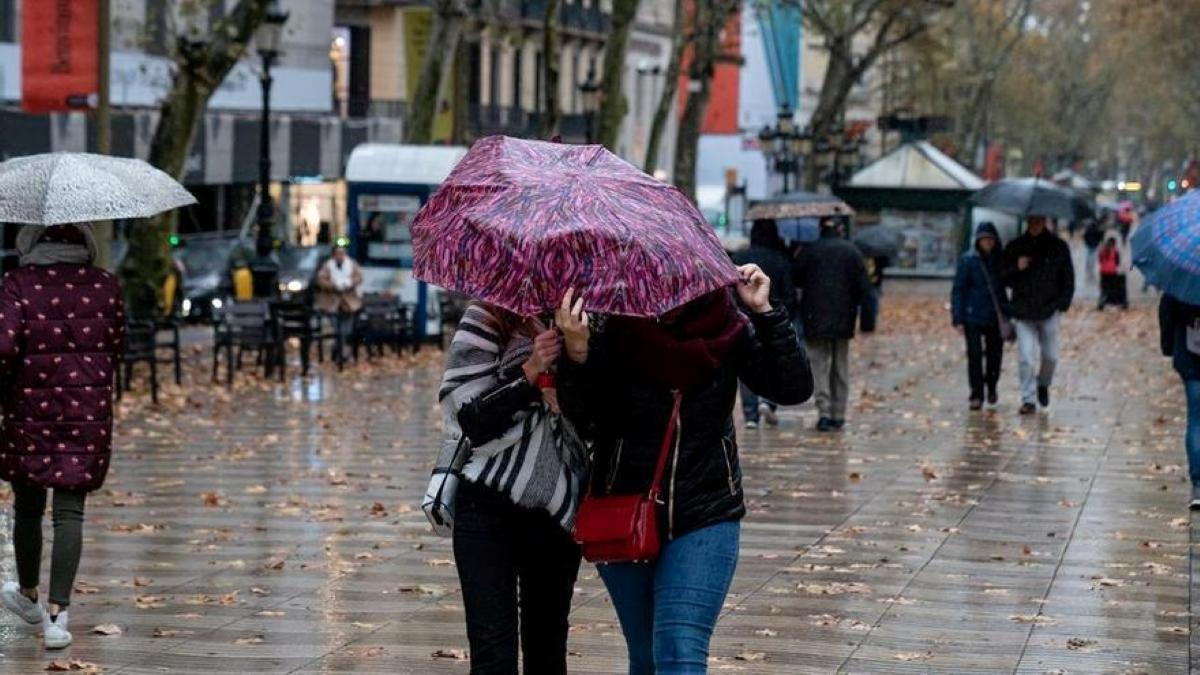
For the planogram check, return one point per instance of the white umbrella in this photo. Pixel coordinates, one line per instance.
(75, 187)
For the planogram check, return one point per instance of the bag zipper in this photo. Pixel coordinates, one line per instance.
(674, 467)
(726, 446)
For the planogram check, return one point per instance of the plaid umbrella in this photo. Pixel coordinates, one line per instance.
(1166, 248)
(519, 222)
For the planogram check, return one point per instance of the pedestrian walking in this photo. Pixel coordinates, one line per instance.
(869, 315)
(833, 284)
(1179, 330)
(1093, 236)
(339, 296)
(768, 251)
(1113, 290)
(1037, 267)
(656, 399)
(979, 306)
(515, 507)
(62, 325)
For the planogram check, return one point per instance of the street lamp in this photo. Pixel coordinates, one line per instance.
(590, 89)
(268, 39)
(783, 144)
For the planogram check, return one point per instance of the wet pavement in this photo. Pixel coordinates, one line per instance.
(277, 528)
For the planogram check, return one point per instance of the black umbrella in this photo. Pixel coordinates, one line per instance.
(879, 241)
(1033, 197)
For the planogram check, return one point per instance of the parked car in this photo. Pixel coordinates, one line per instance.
(205, 262)
(298, 266)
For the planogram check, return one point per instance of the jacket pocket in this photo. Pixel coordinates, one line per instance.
(729, 453)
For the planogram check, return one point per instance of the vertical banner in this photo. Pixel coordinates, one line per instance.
(59, 54)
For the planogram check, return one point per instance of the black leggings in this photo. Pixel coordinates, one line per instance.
(985, 352)
(513, 561)
(29, 506)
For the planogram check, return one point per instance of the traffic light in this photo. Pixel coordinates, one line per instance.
(1172, 185)
(173, 240)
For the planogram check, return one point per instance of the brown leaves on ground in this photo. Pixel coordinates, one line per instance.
(171, 632)
(912, 656)
(751, 656)
(107, 629)
(213, 499)
(73, 666)
(149, 601)
(452, 654)
(250, 640)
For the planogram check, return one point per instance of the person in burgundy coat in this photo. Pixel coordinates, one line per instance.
(61, 336)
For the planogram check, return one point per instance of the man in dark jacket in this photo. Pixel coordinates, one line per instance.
(1180, 333)
(832, 279)
(767, 250)
(1038, 269)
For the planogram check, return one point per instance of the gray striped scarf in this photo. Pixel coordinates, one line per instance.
(539, 462)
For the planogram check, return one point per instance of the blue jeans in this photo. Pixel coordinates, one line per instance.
(750, 401)
(668, 608)
(1192, 389)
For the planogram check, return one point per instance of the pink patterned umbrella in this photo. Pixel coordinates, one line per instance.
(519, 222)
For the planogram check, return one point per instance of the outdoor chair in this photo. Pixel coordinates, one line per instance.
(297, 319)
(244, 326)
(140, 347)
(382, 322)
(167, 337)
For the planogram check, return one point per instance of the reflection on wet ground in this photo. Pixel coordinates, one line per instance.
(277, 528)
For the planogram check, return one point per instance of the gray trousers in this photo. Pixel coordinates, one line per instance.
(1037, 347)
(67, 514)
(830, 360)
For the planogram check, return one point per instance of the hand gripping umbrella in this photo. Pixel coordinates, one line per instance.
(519, 222)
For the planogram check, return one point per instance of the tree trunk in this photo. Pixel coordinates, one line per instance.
(710, 18)
(613, 104)
(435, 66)
(550, 56)
(199, 70)
(670, 89)
(840, 76)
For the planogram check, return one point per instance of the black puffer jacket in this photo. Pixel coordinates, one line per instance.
(626, 417)
(1047, 285)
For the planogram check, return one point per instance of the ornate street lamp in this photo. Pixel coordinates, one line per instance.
(783, 144)
(590, 89)
(267, 40)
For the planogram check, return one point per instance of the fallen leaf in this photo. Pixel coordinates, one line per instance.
(751, 656)
(912, 656)
(251, 640)
(148, 601)
(259, 591)
(1076, 644)
(766, 632)
(455, 654)
(107, 629)
(170, 632)
(73, 666)
(142, 581)
(256, 490)
(362, 624)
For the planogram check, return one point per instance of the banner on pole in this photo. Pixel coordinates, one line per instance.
(58, 55)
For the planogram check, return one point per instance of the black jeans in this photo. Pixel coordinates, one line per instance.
(29, 506)
(513, 561)
(983, 343)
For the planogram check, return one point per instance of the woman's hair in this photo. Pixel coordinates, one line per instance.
(508, 323)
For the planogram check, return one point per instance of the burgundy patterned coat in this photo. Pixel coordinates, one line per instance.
(61, 333)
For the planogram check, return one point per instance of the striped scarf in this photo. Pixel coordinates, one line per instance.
(539, 462)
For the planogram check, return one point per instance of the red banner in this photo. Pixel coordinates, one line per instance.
(58, 54)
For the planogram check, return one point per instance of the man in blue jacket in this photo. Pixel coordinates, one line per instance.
(978, 302)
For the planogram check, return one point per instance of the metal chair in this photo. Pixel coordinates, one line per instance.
(167, 337)
(296, 319)
(244, 326)
(140, 347)
(381, 322)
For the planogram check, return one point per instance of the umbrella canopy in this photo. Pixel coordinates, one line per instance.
(1033, 197)
(879, 241)
(1166, 248)
(519, 222)
(76, 187)
(799, 205)
(802, 230)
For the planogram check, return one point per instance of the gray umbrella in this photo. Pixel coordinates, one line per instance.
(1033, 197)
(75, 187)
(879, 241)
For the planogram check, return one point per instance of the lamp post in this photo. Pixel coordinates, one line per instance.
(265, 269)
(784, 145)
(590, 89)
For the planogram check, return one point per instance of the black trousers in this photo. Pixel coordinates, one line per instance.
(1113, 290)
(67, 515)
(517, 568)
(985, 351)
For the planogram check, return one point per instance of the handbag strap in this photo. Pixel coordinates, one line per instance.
(671, 435)
(987, 279)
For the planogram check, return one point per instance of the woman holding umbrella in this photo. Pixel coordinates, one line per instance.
(653, 385)
(62, 325)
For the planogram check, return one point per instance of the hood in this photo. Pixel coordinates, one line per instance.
(986, 229)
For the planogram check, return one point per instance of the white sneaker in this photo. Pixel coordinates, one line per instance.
(18, 604)
(768, 414)
(54, 631)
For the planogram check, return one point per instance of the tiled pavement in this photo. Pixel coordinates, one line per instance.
(277, 529)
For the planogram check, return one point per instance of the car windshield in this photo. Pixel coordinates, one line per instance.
(302, 260)
(202, 258)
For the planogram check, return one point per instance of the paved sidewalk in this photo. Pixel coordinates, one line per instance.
(277, 529)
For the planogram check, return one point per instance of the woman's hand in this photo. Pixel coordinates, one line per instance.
(573, 323)
(755, 289)
(546, 348)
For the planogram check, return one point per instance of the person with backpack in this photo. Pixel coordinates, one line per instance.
(1113, 290)
(1179, 324)
(979, 305)
(62, 331)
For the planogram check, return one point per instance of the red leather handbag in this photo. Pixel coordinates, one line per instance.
(624, 528)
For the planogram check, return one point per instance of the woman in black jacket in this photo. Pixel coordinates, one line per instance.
(620, 385)
(1179, 323)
